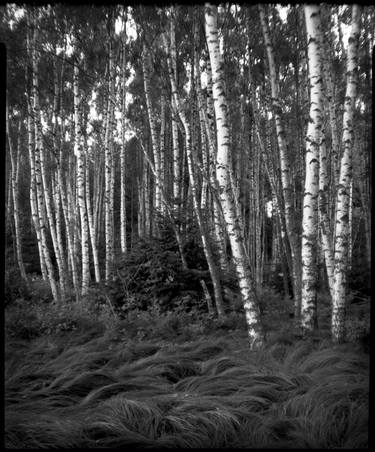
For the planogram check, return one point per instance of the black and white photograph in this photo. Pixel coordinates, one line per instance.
(187, 198)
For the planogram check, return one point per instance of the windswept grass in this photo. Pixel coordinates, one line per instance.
(93, 389)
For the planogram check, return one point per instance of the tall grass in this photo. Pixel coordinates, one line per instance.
(94, 390)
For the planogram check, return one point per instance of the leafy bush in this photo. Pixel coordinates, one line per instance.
(357, 330)
(15, 286)
(21, 323)
(26, 320)
(152, 274)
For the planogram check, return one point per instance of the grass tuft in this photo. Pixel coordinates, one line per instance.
(92, 390)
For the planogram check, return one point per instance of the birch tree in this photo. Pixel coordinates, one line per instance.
(246, 285)
(342, 231)
(146, 66)
(81, 191)
(192, 179)
(38, 153)
(310, 199)
(108, 199)
(286, 178)
(122, 154)
(14, 183)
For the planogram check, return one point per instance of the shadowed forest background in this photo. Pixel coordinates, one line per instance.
(188, 225)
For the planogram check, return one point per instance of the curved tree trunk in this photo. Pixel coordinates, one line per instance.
(250, 302)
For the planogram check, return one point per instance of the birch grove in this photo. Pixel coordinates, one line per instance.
(233, 138)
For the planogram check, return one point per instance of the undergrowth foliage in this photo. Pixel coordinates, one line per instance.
(140, 363)
(152, 275)
(89, 388)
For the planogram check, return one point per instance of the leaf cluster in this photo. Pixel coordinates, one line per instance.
(152, 275)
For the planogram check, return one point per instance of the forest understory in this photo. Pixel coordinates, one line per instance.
(91, 375)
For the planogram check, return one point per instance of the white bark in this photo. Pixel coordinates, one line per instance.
(123, 147)
(251, 307)
(108, 199)
(193, 186)
(81, 191)
(146, 66)
(15, 176)
(286, 178)
(38, 152)
(343, 192)
(310, 199)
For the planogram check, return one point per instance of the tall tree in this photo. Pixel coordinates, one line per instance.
(193, 184)
(286, 176)
(250, 302)
(81, 176)
(342, 230)
(310, 199)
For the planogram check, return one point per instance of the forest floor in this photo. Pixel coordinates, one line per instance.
(173, 384)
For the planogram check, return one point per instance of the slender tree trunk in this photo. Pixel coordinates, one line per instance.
(33, 195)
(108, 199)
(38, 170)
(81, 191)
(91, 223)
(177, 160)
(169, 209)
(57, 101)
(15, 177)
(324, 221)
(123, 147)
(192, 179)
(286, 178)
(206, 113)
(343, 192)
(146, 66)
(310, 201)
(162, 151)
(250, 302)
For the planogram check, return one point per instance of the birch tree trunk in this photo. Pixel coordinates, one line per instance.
(146, 66)
(122, 154)
(91, 223)
(108, 200)
(177, 160)
(310, 200)
(286, 179)
(343, 192)
(162, 151)
(15, 177)
(56, 197)
(81, 191)
(68, 226)
(250, 302)
(324, 220)
(38, 152)
(206, 110)
(189, 152)
(169, 209)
